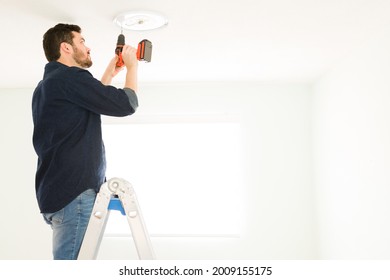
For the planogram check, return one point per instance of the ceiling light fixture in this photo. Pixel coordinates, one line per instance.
(140, 20)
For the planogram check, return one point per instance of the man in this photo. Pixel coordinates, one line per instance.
(66, 107)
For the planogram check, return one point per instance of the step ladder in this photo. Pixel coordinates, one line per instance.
(116, 194)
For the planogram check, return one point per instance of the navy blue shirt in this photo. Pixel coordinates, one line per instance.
(66, 107)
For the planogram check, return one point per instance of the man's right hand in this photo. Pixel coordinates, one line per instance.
(129, 56)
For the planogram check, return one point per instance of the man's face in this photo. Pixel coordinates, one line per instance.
(81, 51)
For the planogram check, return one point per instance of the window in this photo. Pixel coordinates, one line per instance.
(187, 175)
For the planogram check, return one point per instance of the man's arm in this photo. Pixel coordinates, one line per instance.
(129, 55)
(111, 72)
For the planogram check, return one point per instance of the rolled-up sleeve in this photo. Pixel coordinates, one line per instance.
(133, 99)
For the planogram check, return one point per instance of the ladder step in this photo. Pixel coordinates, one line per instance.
(116, 204)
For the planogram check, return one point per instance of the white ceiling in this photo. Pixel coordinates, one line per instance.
(205, 40)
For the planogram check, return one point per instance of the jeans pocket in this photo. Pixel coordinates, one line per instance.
(56, 217)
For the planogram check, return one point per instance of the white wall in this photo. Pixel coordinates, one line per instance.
(351, 121)
(279, 220)
(279, 207)
(23, 234)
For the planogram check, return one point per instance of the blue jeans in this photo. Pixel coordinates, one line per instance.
(69, 225)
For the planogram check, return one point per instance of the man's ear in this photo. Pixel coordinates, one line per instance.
(66, 47)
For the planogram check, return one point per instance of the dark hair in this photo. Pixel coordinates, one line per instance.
(53, 38)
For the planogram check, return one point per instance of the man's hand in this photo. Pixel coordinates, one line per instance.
(129, 56)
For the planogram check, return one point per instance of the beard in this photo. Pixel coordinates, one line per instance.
(78, 56)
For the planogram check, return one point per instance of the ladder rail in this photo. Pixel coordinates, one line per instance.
(137, 227)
